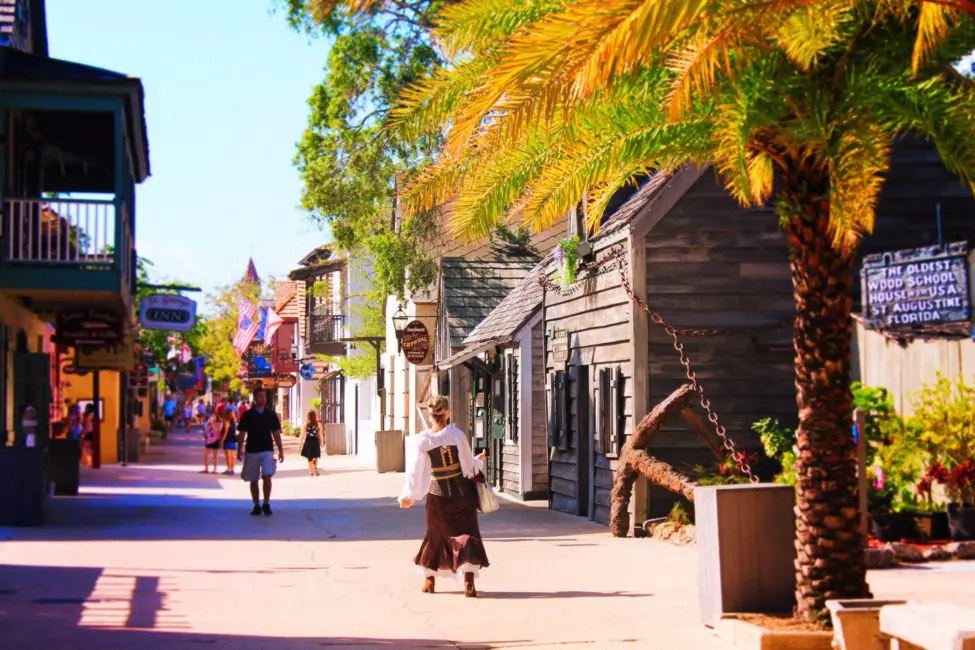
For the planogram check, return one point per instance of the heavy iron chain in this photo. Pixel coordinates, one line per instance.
(617, 255)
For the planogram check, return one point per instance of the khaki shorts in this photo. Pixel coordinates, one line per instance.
(261, 464)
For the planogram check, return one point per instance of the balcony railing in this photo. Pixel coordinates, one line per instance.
(326, 328)
(67, 232)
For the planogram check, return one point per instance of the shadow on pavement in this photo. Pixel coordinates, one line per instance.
(70, 608)
(532, 595)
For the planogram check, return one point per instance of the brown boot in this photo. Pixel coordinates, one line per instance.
(429, 585)
(469, 590)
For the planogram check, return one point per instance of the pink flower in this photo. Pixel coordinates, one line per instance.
(878, 481)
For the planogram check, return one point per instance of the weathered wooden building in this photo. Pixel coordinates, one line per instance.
(719, 273)
(505, 357)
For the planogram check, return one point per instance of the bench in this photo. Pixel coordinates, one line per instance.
(932, 626)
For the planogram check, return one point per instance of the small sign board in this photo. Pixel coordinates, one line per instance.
(123, 357)
(415, 342)
(90, 327)
(560, 346)
(167, 312)
(139, 377)
(917, 287)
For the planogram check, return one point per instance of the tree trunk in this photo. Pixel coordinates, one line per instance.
(635, 461)
(829, 554)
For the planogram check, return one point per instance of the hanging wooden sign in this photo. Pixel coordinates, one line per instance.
(415, 342)
(917, 287)
(560, 347)
(91, 327)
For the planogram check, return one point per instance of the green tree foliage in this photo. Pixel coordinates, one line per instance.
(347, 160)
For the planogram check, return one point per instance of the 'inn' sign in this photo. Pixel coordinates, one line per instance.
(167, 312)
(918, 287)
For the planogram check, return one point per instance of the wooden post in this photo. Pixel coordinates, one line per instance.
(860, 421)
(96, 430)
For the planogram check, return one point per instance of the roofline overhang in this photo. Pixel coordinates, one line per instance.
(466, 353)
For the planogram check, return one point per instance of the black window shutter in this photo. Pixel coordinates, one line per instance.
(513, 395)
(553, 410)
(603, 416)
(614, 408)
(562, 390)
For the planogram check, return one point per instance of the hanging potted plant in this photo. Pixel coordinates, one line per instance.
(567, 257)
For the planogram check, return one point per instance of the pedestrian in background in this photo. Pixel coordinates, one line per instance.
(441, 467)
(229, 440)
(212, 437)
(311, 442)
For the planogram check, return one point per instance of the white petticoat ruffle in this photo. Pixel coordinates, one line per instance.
(467, 567)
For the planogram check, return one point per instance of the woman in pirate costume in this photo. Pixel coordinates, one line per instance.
(441, 467)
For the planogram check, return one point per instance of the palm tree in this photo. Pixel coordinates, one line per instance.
(545, 102)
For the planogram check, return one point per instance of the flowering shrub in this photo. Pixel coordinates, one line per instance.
(727, 470)
(959, 482)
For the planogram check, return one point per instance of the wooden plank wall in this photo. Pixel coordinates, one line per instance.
(711, 263)
(536, 429)
(597, 320)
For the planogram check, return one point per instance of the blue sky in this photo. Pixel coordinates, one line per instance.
(226, 86)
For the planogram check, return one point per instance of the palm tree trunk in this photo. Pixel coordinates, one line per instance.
(829, 542)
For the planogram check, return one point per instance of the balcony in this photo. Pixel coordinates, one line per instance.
(325, 334)
(57, 253)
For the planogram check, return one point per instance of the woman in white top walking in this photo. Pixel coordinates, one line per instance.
(441, 467)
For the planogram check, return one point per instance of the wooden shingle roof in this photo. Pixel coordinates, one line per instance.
(471, 289)
(512, 313)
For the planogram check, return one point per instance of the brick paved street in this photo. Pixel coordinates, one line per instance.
(157, 555)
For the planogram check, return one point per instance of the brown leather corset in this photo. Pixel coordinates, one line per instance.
(447, 479)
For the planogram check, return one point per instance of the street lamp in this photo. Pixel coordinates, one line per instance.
(399, 324)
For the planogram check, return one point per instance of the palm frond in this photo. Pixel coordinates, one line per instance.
(932, 28)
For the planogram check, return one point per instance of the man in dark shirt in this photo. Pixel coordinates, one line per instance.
(259, 431)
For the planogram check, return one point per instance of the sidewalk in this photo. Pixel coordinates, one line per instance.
(155, 554)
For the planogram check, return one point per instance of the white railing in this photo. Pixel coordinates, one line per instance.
(59, 231)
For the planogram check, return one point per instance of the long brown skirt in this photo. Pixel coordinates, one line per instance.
(452, 545)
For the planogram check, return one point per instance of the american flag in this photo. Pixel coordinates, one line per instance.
(247, 326)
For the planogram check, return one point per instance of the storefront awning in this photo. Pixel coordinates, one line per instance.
(465, 354)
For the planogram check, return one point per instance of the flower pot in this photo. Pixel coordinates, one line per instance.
(931, 525)
(961, 521)
(894, 526)
(856, 622)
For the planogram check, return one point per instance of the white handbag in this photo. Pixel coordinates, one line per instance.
(487, 502)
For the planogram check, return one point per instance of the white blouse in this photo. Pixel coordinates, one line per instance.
(418, 468)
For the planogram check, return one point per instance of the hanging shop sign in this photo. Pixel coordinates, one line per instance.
(559, 346)
(307, 371)
(92, 327)
(167, 312)
(415, 342)
(917, 288)
(286, 381)
(123, 357)
(139, 377)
